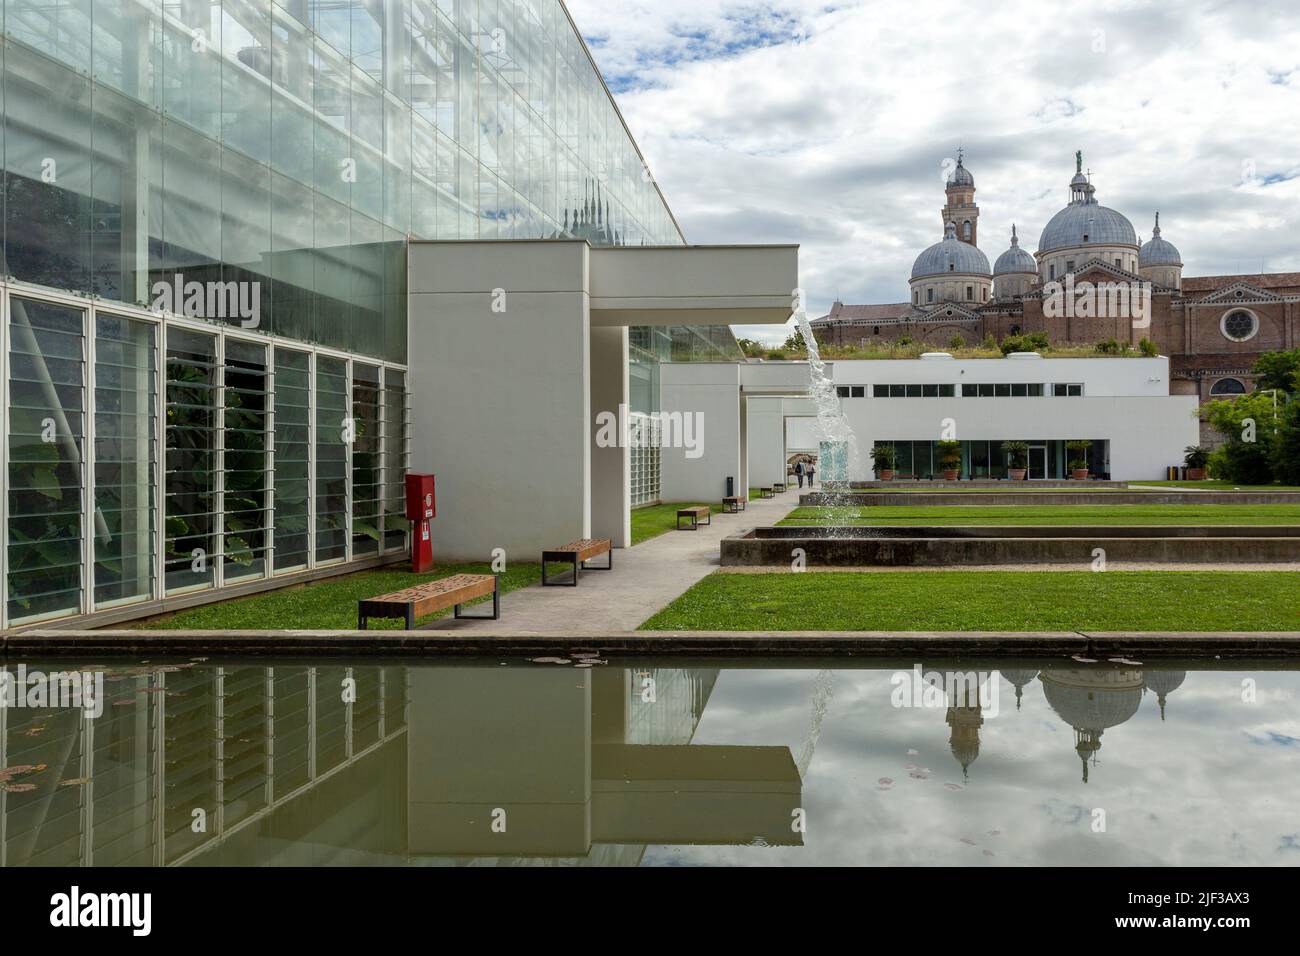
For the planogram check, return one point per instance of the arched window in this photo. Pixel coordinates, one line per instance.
(965, 229)
(1228, 386)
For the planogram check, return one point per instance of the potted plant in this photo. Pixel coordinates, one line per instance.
(884, 457)
(1078, 450)
(950, 459)
(1196, 458)
(1017, 453)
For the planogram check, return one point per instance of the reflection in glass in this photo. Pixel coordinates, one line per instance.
(46, 403)
(397, 459)
(292, 459)
(191, 479)
(246, 475)
(126, 441)
(332, 434)
(366, 465)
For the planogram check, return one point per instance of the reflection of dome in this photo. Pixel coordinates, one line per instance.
(1092, 701)
(1015, 259)
(950, 256)
(1163, 683)
(1159, 252)
(1019, 679)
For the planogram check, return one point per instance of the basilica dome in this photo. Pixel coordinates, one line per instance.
(1014, 259)
(1093, 699)
(1084, 224)
(1158, 252)
(950, 256)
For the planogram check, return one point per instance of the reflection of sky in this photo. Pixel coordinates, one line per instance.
(1214, 783)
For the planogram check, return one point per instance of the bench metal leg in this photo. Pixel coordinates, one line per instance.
(496, 606)
(547, 582)
(609, 564)
(362, 621)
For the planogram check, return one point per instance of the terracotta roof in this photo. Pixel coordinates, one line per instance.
(865, 313)
(1269, 280)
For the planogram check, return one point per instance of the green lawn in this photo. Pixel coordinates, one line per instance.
(988, 601)
(1099, 514)
(654, 520)
(330, 603)
(1211, 484)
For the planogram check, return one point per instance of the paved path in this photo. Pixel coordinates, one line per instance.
(645, 579)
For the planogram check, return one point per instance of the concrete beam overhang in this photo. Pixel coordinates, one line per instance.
(693, 285)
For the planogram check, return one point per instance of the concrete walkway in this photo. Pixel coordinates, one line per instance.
(645, 579)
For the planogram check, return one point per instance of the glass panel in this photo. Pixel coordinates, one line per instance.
(397, 460)
(126, 455)
(46, 454)
(366, 473)
(247, 516)
(292, 458)
(331, 459)
(191, 492)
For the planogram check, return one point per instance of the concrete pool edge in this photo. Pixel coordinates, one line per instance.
(500, 642)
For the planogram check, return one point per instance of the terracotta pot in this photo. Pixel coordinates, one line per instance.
(950, 474)
(1195, 474)
(1079, 474)
(1017, 474)
(886, 474)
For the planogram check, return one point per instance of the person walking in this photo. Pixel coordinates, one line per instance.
(798, 471)
(812, 473)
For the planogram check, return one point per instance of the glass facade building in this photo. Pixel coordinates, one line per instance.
(206, 208)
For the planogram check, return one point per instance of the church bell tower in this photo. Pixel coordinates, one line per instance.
(961, 208)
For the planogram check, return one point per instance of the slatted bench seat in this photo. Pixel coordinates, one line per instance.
(734, 503)
(578, 553)
(424, 599)
(778, 488)
(695, 514)
(766, 492)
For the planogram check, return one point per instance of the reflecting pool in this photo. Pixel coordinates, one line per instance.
(578, 760)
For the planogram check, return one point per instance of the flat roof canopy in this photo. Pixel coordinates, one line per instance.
(693, 285)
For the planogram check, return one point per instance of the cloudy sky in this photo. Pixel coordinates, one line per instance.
(829, 123)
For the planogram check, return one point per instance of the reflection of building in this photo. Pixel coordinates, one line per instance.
(586, 766)
(1164, 683)
(1019, 680)
(1092, 701)
(965, 716)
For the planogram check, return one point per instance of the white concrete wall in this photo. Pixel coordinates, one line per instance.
(778, 427)
(1146, 433)
(611, 466)
(1099, 376)
(712, 390)
(500, 401)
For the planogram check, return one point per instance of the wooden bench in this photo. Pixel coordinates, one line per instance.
(423, 599)
(695, 514)
(766, 492)
(777, 489)
(578, 553)
(734, 504)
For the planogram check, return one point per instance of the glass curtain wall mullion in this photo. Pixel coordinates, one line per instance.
(245, 472)
(366, 464)
(396, 460)
(125, 463)
(330, 518)
(293, 460)
(46, 469)
(192, 461)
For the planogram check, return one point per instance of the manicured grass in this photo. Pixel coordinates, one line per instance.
(1020, 515)
(653, 521)
(1211, 484)
(988, 601)
(331, 603)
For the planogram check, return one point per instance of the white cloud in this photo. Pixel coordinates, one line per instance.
(827, 124)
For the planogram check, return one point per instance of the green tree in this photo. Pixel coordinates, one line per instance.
(1249, 426)
(1280, 370)
(795, 342)
(1286, 446)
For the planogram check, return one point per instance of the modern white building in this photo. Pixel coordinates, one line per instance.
(1121, 405)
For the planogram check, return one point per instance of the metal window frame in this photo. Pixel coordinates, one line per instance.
(162, 324)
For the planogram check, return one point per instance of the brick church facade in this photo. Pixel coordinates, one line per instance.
(1213, 328)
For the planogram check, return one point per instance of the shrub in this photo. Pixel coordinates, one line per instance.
(1036, 341)
(950, 455)
(1242, 463)
(884, 457)
(1018, 451)
(990, 342)
(775, 355)
(1112, 347)
(1013, 343)
(956, 342)
(1148, 348)
(1196, 456)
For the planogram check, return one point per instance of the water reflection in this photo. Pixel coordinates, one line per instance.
(198, 763)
